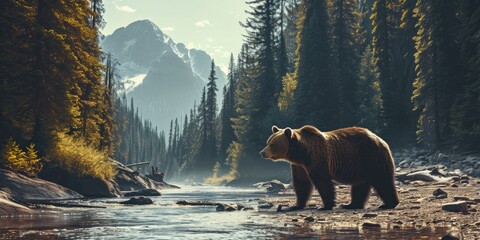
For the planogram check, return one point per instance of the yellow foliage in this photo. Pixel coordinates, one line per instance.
(286, 96)
(79, 158)
(15, 158)
(234, 151)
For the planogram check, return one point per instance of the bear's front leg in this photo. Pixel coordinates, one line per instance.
(324, 184)
(302, 185)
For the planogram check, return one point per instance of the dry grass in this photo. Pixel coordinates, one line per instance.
(79, 158)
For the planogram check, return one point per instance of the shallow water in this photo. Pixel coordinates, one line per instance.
(166, 220)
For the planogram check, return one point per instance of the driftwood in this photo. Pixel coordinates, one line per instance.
(197, 203)
(424, 175)
(59, 204)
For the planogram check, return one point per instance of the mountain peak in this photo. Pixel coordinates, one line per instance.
(145, 25)
(158, 71)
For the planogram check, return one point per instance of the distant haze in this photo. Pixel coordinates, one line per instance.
(211, 25)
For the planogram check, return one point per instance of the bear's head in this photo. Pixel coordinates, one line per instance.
(279, 143)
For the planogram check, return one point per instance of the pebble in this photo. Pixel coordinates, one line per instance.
(453, 234)
(309, 219)
(265, 205)
(371, 225)
(440, 193)
(458, 198)
(369, 215)
(294, 220)
(455, 178)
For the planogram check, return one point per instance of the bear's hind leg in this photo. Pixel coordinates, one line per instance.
(303, 187)
(387, 192)
(359, 194)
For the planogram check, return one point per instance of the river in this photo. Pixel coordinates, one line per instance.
(166, 220)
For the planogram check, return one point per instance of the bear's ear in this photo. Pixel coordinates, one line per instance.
(275, 129)
(288, 132)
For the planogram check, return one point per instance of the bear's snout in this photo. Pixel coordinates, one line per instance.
(262, 153)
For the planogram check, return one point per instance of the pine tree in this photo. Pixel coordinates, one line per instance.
(317, 94)
(438, 70)
(228, 111)
(281, 55)
(260, 27)
(369, 95)
(17, 21)
(344, 18)
(465, 120)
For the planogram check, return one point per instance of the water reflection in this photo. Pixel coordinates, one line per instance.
(166, 220)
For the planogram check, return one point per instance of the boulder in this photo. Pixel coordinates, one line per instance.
(86, 185)
(460, 206)
(23, 188)
(131, 180)
(273, 186)
(144, 192)
(138, 201)
(10, 208)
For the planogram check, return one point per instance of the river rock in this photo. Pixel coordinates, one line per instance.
(138, 201)
(460, 206)
(369, 215)
(227, 207)
(453, 234)
(273, 186)
(265, 205)
(309, 219)
(459, 198)
(440, 194)
(143, 192)
(371, 225)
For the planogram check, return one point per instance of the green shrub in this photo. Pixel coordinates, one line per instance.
(79, 158)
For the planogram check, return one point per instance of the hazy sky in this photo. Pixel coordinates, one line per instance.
(210, 25)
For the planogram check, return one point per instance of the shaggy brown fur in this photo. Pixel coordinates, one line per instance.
(353, 156)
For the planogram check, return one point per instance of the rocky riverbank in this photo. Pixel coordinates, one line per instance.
(18, 192)
(17, 189)
(466, 162)
(451, 202)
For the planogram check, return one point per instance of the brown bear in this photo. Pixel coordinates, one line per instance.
(353, 156)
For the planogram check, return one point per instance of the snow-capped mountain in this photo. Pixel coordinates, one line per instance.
(163, 77)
